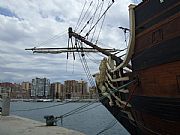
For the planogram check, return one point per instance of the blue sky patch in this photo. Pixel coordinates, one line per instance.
(59, 19)
(7, 12)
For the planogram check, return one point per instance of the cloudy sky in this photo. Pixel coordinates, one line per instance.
(44, 23)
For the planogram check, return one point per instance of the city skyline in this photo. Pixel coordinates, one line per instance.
(42, 88)
(41, 77)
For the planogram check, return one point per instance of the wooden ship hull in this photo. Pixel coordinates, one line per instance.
(150, 103)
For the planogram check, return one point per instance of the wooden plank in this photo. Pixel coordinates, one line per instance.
(170, 28)
(159, 81)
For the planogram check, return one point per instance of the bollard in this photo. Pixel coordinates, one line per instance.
(50, 120)
(5, 105)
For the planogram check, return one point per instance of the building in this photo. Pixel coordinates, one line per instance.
(93, 93)
(17, 92)
(82, 88)
(76, 89)
(14, 90)
(70, 89)
(57, 91)
(26, 86)
(5, 87)
(40, 88)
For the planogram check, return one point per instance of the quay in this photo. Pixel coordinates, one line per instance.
(15, 125)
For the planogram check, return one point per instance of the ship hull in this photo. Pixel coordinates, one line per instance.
(154, 101)
(121, 117)
(154, 115)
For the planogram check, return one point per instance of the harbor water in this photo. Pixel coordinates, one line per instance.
(89, 121)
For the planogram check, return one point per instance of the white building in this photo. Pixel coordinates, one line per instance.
(40, 88)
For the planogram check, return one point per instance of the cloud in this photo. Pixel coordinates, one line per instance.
(29, 23)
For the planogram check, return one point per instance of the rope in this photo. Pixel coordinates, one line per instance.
(89, 73)
(130, 97)
(90, 103)
(86, 69)
(74, 111)
(88, 109)
(78, 110)
(84, 15)
(140, 124)
(97, 7)
(40, 108)
(85, 25)
(83, 60)
(91, 59)
(73, 47)
(100, 28)
(52, 38)
(99, 19)
(109, 126)
(87, 21)
(102, 4)
(146, 128)
(80, 15)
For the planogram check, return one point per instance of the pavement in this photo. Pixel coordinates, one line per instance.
(15, 125)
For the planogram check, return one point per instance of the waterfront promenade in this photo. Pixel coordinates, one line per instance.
(15, 125)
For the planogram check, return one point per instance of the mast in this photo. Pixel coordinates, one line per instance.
(82, 39)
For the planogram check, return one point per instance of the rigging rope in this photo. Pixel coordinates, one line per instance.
(100, 28)
(83, 60)
(102, 4)
(97, 7)
(91, 59)
(85, 66)
(88, 21)
(99, 18)
(85, 70)
(91, 19)
(73, 47)
(84, 15)
(85, 25)
(52, 38)
(89, 73)
(80, 16)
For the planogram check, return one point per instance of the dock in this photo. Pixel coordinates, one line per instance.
(15, 125)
